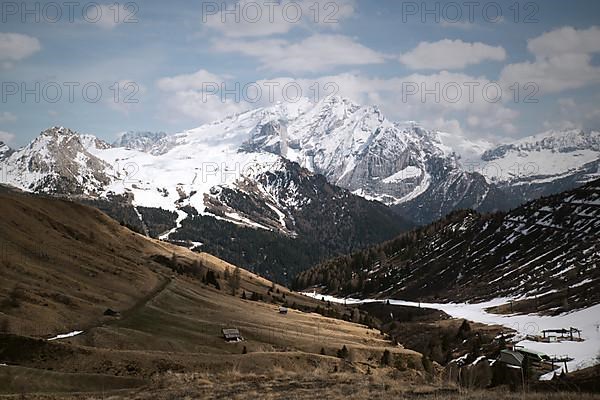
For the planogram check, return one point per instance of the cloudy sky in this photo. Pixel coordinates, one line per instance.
(488, 70)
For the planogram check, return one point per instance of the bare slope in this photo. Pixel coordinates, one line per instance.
(65, 264)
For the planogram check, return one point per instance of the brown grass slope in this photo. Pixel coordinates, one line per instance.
(63, 265)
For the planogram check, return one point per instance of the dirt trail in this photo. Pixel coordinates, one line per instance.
(154, 293)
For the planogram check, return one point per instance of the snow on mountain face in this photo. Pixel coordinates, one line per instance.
(357, 148)
(142, 141)
(265, 196)
(58, 162)
(91, 142)
(354, 147)
(5, 151)
(544, 157)
(197, 165)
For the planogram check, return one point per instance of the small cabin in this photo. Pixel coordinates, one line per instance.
(536, 358)
(232, 335)
(510, 357)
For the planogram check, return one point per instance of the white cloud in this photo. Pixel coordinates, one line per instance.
(6, 137)
(566, 40)
(572, 113)
(16, 47)
(452, 126)
(575, 114)
(6, 116)
(192, 96)
(194, 81)
(554, 74)
(501, 118)
(451, 54)
(563, 61)
(316, 53)
(249, 18)
(199, 107)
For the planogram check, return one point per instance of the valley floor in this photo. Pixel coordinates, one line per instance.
(585, 353)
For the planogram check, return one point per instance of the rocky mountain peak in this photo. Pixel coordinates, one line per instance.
(142, 141)
(61, 137)
(5, 150)
(58, 162)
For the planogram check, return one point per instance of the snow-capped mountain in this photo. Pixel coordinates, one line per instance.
(59, 162)
(318, 220)
(359, 149)
(204, 189)
(543, 157)
(142, 141)
(403, 165)
(354, 147)
(543, 164)
(292, 178)
(5, 151)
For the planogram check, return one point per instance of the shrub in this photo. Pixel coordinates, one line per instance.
(211, 279)
(234, 279)
(386, 358)
(411, 364)
(427, 364)
(401, 364)
(343, 353)
(196, 269)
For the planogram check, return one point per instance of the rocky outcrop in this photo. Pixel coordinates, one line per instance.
(141, 141)
(58, 162)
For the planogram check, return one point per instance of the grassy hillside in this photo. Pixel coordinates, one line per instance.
(64, 265)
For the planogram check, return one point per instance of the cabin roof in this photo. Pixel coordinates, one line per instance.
(529, 351)
(231, 333)
(511, 357)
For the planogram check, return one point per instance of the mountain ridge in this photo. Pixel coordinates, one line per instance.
(547, 249)
(355, 147)
(260, 169)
